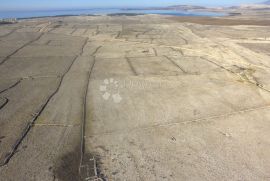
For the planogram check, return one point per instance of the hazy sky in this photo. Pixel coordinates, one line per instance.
(61, 4)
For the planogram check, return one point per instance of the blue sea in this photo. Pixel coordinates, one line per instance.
(30, 14)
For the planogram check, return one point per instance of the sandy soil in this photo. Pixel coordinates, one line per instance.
(144, 97)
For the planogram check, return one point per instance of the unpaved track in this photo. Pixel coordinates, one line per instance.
(133, 98)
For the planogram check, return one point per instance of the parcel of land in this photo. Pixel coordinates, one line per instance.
(145, 97)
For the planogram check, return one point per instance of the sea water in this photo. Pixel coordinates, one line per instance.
(105, 11)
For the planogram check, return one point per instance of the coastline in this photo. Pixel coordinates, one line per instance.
(97, 12)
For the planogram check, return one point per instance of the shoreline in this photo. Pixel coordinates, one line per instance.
(44, 14)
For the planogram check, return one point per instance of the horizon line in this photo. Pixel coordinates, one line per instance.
(108, 7)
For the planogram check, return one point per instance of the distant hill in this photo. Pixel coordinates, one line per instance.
(176, 7)
(186, 7)
(259, 6)
(267, 2)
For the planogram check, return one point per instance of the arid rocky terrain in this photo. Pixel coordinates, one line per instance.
(145, 97)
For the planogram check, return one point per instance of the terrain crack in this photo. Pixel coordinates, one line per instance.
(73, 31)
(87, 162)
(97, 30)
(131, 66)
(118, 35)
(177, 50)
(243, 77)
(185, 40)
(45, 28)
(155, 52)
(83, 46)
(9, 33)
(198, 120)
(95, 52)
(32, 121)
(58, 125)
(10, 87)
(173, 62)
(5, 103)
(26, 44)
(85, 31)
